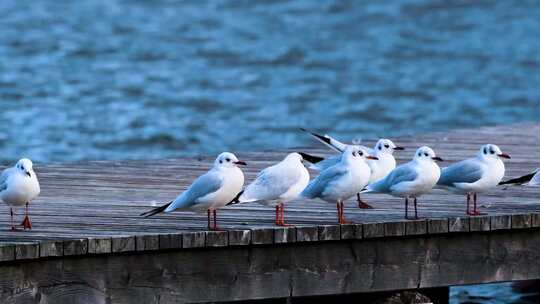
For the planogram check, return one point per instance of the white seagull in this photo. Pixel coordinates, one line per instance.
(474, 175)
(342, 180)
(210, 191)
(383, 151)
(412, 179)
(277, 185)
(18, 186)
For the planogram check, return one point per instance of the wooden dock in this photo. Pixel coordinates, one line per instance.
(89, 244)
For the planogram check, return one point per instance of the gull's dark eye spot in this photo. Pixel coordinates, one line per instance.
(380, 147)
(220, 161)
(228, 159)
(360, 153)
(354, 154)
(491, 151)
(420, 154)
(387, 146)
(425, 154)
(22, 167)
(485, 150)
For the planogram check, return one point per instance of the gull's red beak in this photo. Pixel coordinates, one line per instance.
(241, 163)
(372, 157)
(504, 155)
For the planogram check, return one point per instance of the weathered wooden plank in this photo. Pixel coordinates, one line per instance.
(458, 224)
(417, 227)
(373, 230)
(75, 247)
(535, 219)
(436, 226)
(262, 236)
(479, 223)
(147, 242)
(26, 251)
(284, 235)
(7, 252)
(500, 222)
(351, 231)
(51, 248)
(394, 229)
(193, 239)
(123, 243)
(98, 245)
(239, 237)
(170, 241)
(521, 221)
(307, 234)
(216, 239)
(329, 233)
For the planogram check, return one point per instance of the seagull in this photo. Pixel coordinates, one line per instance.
(277, 185)
(531, 179)
(339, 182)
(383, 150)
(19, 185)
(210, 191)
(474, 175)
(412, 179)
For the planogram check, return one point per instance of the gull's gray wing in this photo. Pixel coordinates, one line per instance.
(3, 179)
(326, 163)
(205, 184)
(466, 171)
(400, 174)
(317, 186)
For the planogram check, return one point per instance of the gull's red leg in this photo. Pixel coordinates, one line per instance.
(342, 219)
(361, 203)
(215, 220)
(282, 216)
(277, 215)
(475, 211)
(26, 221)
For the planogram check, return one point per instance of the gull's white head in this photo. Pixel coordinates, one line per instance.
(386, 146)
(354, 153)
(227, 160)
(25, 166)
(490, 151)
(426, 154)
(293, 157)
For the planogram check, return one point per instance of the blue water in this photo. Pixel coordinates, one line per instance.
(112, 79)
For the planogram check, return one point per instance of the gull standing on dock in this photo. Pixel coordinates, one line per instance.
(19, 185)
(342, 180)
(412, 179)
(381, 167)
(210, 191)
(474, 175)
(277, 185)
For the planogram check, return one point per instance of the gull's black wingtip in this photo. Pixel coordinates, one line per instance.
(155, 211)
(311, 158)
(519, 180)
(236, 199)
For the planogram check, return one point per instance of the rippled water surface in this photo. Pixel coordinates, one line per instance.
(112, 79)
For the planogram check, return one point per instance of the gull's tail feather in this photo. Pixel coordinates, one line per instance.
(325, 139)
(311, 158)
(236, 199)
(156, 210)
(519, 181)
